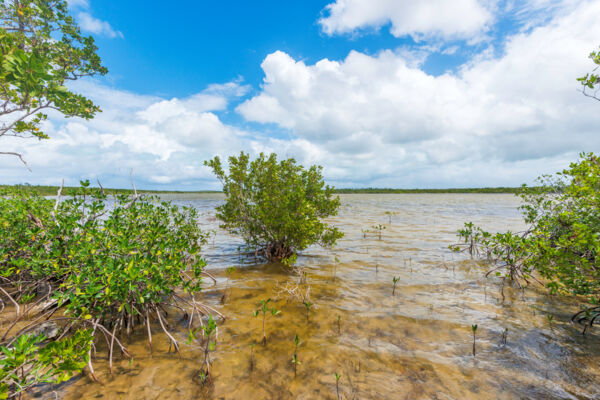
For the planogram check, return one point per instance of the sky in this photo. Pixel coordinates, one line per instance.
(381, 93)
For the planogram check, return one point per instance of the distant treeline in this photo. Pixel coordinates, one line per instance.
(454, 190)
(52, 190)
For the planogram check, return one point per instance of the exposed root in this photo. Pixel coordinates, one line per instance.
(586, 317)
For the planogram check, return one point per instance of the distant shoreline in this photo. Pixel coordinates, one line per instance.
(52, 190)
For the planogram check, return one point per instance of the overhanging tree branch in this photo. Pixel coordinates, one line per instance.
(10, 153)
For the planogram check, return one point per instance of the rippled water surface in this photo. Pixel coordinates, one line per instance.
(416, 344)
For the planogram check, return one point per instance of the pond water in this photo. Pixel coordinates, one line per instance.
(416, 344)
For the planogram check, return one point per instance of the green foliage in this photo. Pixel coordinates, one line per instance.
(395, 280)
(410, 191)
(337, 384)
(562, 242)
(43, 190)
(390, 214)
(101, 258)
(474, 329)
(209, 330)
(41, 47)
(105, 261)
(377, 231)
(295, 361)
(307, 305)
(565, 228)
(591, 81)
(264, 310)
(130, 261)
(378, 228)
(29, 362)
(277, 207)
(473, 240)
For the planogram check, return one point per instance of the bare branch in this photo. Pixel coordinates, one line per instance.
(10, 153)
(133, 183)
(17, 308)
(101, 188)
(593, 96)
(58, 194)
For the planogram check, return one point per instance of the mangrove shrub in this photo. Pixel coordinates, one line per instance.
(277, 207)
(29, 362)
(110, 264)
(562, 242)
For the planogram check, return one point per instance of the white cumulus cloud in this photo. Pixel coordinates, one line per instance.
(91, 24)
(384, 115)
(422, 18)
(509, 114)
(164, 141)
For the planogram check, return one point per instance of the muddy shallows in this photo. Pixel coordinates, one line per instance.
(358, 337)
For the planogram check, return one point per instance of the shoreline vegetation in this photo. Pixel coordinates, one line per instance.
(79, 275)
(52, 190)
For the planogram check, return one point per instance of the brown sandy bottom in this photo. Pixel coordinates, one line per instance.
(416, 344)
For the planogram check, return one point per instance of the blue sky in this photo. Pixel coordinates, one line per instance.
(382, 93)
(177, 54)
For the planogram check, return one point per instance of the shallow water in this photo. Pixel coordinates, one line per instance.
(412, 345)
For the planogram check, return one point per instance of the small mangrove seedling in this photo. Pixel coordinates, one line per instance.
(550, 318)
(295, 361)
(191, 336)
(304, 278)
(339, 323)
(228, 272)
(395, 279)
(337, 384)
(474, 329)
(212, 233)
(252, 355)
(379, 228)
(336, 261)
(504, 336)
(390, 214)
(264, 309)
(209, 330)
(307, 305)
